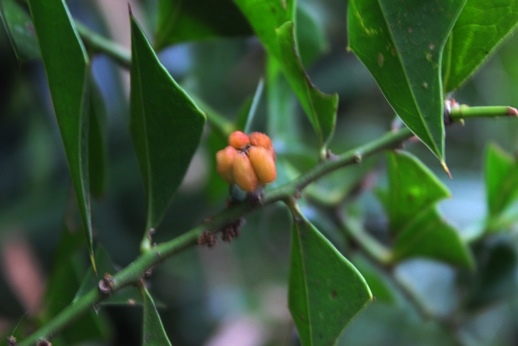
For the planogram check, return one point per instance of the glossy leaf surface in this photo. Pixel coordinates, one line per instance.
(325, 290)
(166, 126)
(480, 29)
(153, 330)
(401, 43)
(66, 64)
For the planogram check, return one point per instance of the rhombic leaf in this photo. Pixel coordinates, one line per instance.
(66, 64)
(274, 24)
(401, 42)
(410, 203)
(166, 126)
(325, 289)
(480, 29)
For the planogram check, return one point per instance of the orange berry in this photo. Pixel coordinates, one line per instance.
(243, 173)
(225, 161)
(260, 140)
(263, 164)
(238, 139)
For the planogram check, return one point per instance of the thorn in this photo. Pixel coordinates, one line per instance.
(511, 111)
(446, 169)
(129, 10)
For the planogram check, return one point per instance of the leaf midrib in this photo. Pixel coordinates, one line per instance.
(416, 104)
(145, 134)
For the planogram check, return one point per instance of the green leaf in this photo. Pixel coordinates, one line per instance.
(265, 17)
(282, 125)
(20, 30)
(325, 290)
(66, 64)
(153, 329)
(97, 151)
(401, 42)
(180, 20)
(428, 235)
(413, 189)
(410, 201)
(166, 126)
(480, 29)
(501, 175)
(273, 22)
(320, 108)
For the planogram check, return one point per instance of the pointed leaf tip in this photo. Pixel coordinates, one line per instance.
(92, 260)
(446, 169)
(401, 43)
(66, 64)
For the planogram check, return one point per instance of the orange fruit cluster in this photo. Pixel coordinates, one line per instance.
(248, 161)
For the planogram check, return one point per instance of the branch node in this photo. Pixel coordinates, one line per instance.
(331, 156)
(232, 230)
(106, 285)
(357, 157)
(148, 273)
(256, 197)
(150, 233)
(11, 341)
(206, 238)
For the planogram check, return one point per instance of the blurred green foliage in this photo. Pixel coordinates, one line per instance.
(239, 290)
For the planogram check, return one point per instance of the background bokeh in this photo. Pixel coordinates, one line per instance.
(233, 294)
